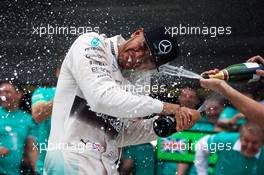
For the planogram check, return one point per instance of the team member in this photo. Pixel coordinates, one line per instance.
(213, 106)
(188, 97)
(42, 102)
(252, 110)
(237, 153)
(15, 131)
(91, 105)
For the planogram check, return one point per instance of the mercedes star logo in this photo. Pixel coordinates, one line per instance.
(165, 46)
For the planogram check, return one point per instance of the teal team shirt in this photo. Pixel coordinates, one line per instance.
(228, 113)
(231, 162)
(42, 129)
(15, 128)
(201, 126)
(166, 168)
(170, 168)
(143, 157)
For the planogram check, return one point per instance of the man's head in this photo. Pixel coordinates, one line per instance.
(134, 53)
(188, 97)
(252, 138)
(147, 50)
(10, 96)
(214, 105)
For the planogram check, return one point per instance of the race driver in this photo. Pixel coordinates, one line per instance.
(92, 112)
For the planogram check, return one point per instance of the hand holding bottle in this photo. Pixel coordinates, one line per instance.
(185, 117)
(237, 72)
(256, 59)
(175, 118)
(260, 60)
(213, 84)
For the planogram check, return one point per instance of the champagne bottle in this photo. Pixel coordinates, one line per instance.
(165, 125)
(238, 72)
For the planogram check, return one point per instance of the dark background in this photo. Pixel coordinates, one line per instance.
(32, 59)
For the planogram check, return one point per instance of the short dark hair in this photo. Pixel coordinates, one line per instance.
(189, 88)
(217, 98)
(17, 85)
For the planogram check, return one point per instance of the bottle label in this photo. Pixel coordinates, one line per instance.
(254, 78)
(251, 65)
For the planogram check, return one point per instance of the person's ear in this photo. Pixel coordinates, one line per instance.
(57, 72)
(137, 32)
(19, 95)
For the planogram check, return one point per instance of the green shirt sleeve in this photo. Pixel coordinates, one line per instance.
(37, 96)
(31, 125)
(228, 113)
(42, 94)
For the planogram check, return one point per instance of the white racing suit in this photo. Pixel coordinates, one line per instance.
(84, 138)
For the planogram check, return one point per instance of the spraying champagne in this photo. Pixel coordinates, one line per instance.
(238, 72)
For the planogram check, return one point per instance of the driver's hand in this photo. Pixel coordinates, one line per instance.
(186, 118)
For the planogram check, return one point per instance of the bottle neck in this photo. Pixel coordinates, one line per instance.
(222, 75)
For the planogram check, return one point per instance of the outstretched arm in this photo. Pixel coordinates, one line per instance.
(252, 110)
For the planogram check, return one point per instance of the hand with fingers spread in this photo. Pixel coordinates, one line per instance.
(260, 60)
(256, 59)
